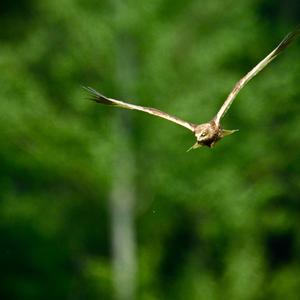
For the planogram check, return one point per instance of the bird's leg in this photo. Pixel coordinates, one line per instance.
(225, 132)
(196, 145)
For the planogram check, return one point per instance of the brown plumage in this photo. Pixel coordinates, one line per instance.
(206, 134)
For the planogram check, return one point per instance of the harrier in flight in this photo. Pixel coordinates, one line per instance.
(207, 134)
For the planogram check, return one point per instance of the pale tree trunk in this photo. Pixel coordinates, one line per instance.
(123, 186)
(122, 219)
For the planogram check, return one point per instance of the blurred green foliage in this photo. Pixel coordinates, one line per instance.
(211, 224)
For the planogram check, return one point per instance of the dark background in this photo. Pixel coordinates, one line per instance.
(98, 203)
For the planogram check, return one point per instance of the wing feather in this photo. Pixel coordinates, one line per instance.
(99, 98)
(261, 65)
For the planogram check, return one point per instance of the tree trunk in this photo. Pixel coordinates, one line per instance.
(123, 185)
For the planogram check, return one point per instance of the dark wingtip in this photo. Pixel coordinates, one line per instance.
(96, 96)
(291, 37)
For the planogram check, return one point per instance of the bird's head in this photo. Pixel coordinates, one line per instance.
(208, 134)
(205, 133)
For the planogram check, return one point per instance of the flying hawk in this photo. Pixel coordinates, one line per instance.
(207, 134)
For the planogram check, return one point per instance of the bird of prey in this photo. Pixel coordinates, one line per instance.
(207, 134)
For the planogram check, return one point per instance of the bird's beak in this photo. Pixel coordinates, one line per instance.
(196, 145)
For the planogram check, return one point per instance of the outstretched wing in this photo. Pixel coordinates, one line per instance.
(242, 82)
(95, 96)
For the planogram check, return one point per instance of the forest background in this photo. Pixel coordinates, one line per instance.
(98, 203)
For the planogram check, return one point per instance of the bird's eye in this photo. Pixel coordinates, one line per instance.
(203, 134)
